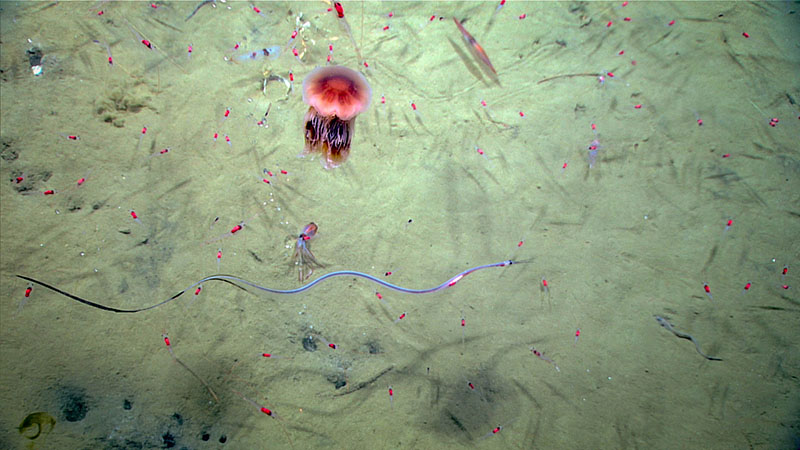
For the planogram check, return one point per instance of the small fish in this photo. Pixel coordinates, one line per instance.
(665, 323)
(479, 52)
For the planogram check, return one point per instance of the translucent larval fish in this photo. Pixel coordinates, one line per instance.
(266, 52)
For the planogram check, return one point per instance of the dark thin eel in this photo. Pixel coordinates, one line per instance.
(664, 323)
(112, 309)
(206, 2)
(364, 384)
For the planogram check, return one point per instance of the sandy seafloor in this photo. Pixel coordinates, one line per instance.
(636, 235)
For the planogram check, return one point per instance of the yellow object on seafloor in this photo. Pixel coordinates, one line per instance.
(35, 424)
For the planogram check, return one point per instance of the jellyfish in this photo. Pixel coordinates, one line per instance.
(335, 95)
